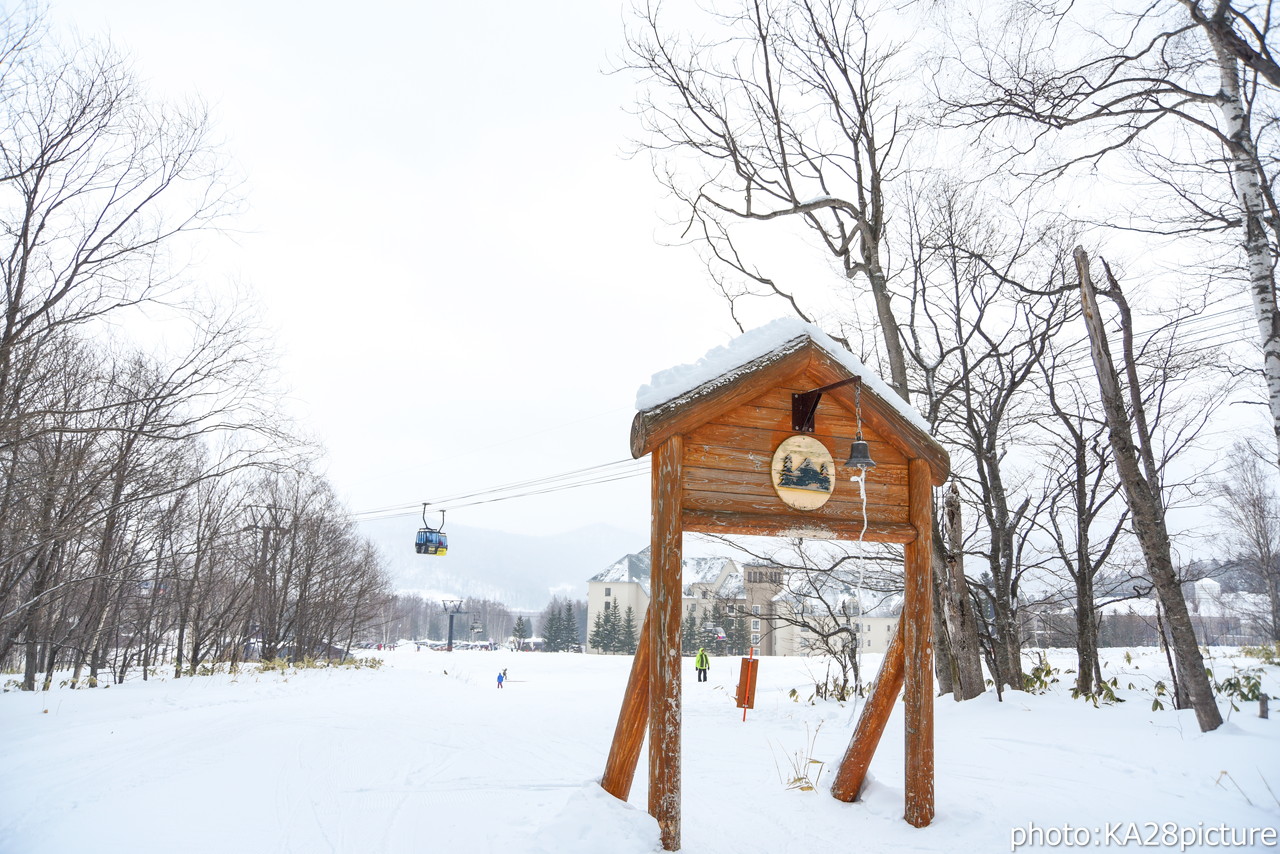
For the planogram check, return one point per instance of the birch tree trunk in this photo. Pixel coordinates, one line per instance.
(1258, 252)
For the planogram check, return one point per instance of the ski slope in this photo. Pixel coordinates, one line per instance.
(426, 755)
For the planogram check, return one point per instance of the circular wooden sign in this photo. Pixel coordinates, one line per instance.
(804, 474)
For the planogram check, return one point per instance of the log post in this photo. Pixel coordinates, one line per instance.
(917, 634)
(875, 714)
(666, 549)
(633, 719)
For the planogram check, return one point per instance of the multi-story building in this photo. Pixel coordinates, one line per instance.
(718, 590)
(707, 581)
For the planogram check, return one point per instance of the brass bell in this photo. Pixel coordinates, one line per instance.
(860, 455)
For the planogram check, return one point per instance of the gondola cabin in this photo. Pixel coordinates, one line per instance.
(431, 542)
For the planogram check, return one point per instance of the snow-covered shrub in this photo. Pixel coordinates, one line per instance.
(1243, 684)
(1267, 654)
(1041, 677)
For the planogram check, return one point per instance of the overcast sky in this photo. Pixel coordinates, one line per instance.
(463, 265)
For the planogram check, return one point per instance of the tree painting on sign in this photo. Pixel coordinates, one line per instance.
(802, 473)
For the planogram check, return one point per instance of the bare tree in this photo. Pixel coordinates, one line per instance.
(122, 512)
(987, 299)
(97, 184)
(1135, 462)
(1181, 82)
(1250, 513)
(788, 118)
(1085, 516)
(827, 588)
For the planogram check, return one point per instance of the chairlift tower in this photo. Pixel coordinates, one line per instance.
(452, 607)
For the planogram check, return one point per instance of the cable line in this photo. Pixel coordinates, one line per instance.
(589, 476)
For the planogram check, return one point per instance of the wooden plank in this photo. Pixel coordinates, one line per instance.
(776, 525)
(834, 422)
(846, 512)
(633, 719)
(760, 485)
(759, 460)
(875, 714)
(772, 411)
(917, 640)
(666, 548)
(742, 438)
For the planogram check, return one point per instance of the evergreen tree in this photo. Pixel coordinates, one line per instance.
(599, 639)
(628, 639)
(737, 634)
(614, 622)
(689, 632)
(552, 634)
(520, 633)
(569, 628)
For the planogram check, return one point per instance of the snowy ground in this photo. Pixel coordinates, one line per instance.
(427, 755)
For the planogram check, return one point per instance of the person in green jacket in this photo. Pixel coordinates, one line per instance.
(701, 663)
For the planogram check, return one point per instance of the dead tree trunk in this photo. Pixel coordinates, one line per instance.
(1145, 504)
(956, 608)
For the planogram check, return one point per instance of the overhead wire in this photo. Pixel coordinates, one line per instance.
(588, 476)
(1211, 336)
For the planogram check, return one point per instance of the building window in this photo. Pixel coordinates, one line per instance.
(606, 606)
(755, 639)
(755, 625)
(608, 591)
(755, 609)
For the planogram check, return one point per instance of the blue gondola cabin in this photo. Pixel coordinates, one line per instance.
(431, 542)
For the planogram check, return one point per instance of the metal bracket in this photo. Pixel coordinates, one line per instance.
(804, 405)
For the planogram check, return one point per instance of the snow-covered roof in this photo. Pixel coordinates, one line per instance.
(636, 568)
(725, 364)
(703, 570)
(734, 587)
(1207, 588)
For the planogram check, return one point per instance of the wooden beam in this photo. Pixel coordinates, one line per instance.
(836, 510)
(875, 714)
(633, 719)
(780, 524)
(917, 640)
(666, 549)
(757, 493)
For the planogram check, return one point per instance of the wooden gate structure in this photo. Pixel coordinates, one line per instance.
(714, 470)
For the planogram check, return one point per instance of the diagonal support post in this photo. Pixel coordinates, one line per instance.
(875, 714)
(633, 720)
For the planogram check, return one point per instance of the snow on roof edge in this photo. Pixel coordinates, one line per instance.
(666, 386)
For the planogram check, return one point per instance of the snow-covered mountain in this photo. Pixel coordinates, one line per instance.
(521, 571)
